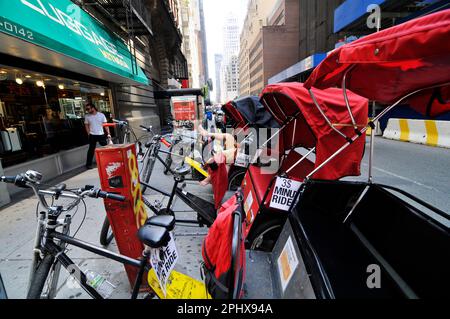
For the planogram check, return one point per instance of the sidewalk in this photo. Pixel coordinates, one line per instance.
(18, 225)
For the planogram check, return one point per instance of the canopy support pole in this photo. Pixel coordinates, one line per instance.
(347, 103)
(260, 149)
(279, 106)
(301, 160)
(326, 118)
(242, 129)
(372, 146)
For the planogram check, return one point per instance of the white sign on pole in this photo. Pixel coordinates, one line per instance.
(242, 159)
(284, 193)
(287, 263)
(163, 261)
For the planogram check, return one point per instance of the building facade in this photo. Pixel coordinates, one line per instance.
(270, 39)
(194, 41)
(65, 54)
(256, 18)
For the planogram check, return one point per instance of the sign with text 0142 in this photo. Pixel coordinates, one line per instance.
(163, 261)
(284, 193)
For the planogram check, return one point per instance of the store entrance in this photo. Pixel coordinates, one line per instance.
(42, 114)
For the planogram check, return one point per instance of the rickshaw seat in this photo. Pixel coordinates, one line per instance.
(261, 178)
(383, 230)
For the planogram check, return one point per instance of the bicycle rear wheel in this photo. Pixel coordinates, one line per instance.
(147, 170)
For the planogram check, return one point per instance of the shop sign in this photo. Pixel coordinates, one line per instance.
(184, 110)
(63, 27)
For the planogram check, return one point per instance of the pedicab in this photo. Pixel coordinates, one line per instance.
(347, 239)
(305, 140)
(245, 117)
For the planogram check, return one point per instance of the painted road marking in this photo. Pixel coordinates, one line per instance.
(404, 178)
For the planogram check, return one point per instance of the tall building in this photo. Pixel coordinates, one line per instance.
(194, 41)
(218, 58)
(256, 18)
(230, 65)
(270, 42)
(204, 72)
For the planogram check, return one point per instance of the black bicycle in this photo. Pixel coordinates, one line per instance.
(51, 242)
(206, 211)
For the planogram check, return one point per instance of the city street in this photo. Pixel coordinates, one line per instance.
(421, 170)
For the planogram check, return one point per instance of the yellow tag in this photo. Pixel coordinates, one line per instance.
(196, 165)
(179, 286)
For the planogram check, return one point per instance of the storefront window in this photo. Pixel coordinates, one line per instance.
(42, 114)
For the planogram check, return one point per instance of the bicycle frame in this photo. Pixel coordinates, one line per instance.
(58, 253)
(177, 191)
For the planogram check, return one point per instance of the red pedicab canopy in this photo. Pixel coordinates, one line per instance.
(390, 64)
(232, 113)
(304, 125)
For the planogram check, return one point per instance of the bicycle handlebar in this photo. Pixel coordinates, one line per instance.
(120, 122)
(18, 180)
(26, 181)
(106, 195)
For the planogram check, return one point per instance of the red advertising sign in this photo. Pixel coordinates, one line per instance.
(184, 108)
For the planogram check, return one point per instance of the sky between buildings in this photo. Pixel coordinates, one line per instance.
(215, 12)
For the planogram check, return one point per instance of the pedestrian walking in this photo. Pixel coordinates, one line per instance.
(93, 122)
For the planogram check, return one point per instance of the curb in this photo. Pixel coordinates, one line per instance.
(427, 132)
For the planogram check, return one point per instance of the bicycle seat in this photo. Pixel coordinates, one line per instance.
(153, 236)
(183, 170)
(166, 221)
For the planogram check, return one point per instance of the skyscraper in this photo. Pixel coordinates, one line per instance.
(218, 58)
(230, 64)
(204, 72)
(194, 41)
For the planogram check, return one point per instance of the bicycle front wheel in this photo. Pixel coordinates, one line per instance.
(106, 234)
(147, 170)
(40, 278)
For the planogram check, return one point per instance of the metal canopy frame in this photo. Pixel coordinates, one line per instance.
(359, 133)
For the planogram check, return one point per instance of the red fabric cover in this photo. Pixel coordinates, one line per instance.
(219, 179)
(392, 63)
(231, 111)
(216, 249)
(300, 171)
(287, 100)
(432, 102)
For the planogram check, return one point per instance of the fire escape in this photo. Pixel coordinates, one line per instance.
(130, 17)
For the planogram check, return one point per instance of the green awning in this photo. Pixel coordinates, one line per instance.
(63, 27)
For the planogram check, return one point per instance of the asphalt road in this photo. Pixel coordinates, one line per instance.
(422, 171)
